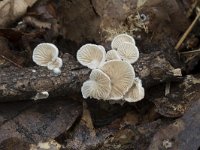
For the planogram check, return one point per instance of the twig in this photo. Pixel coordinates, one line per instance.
(190, 52)
(187, 32)
(12, 62)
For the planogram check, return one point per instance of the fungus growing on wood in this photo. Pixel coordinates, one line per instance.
(41, 95)
(46, 54)
(55, 64)
(91, 55)
(112, 75)
(136, 92)
(112, 55)
(121, 75)
(98, 86)
(128, 52)
(119, 39)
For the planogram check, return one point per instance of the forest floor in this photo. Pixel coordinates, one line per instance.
(167, 34)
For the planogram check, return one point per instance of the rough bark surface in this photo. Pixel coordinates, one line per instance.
(21, 84)
(25, 83)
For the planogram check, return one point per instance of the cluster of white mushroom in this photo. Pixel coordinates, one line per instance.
(112, 76)
(46, 54)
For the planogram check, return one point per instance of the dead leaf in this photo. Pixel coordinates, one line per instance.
(183, 134)
(41, 121)
(11, 10)
(181, 96)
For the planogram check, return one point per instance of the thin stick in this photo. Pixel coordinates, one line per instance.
(187, 32)
(189, 52)
(12, 62)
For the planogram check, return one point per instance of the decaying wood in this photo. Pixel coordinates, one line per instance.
(25, 83)
(11, 10)
(153, 67)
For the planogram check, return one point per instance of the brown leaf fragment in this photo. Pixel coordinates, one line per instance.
(11, 10)
(84, 135)
(14, 144)
(183, 134)
(85, 21)
(181, 96)
(42, 121)
(37, 23)
(131, 137)
(14, 108)
(11, 56)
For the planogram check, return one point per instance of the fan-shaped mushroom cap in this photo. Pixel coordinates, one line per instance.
(136, 92)
(112, 55)
(45, 53)
(55, 64)
(101, 47)
(128, 52)
(98, 87)
(119, 39)
(91, 55)
(121, 75)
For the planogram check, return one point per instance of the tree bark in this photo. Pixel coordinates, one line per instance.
(23, 84)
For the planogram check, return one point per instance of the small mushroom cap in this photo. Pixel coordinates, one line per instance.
(119, 39)
(56, 71)
(41, 95)
(45, 53)
(112, 55)
(55, 64)
(136, 92)
(91, 55)
(121, 75)
(128, 52)
(98, 87)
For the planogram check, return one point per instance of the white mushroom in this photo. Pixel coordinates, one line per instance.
(91, 55)
(101, 47)
(119, 39)
(136, 92)
(41, 95)
(56, 71)
(112, 55)
(128, 52)
(98, 87)
(55, 64)
(121, 75)
(45, 53)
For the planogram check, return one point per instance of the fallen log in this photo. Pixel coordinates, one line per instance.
(26, 83)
